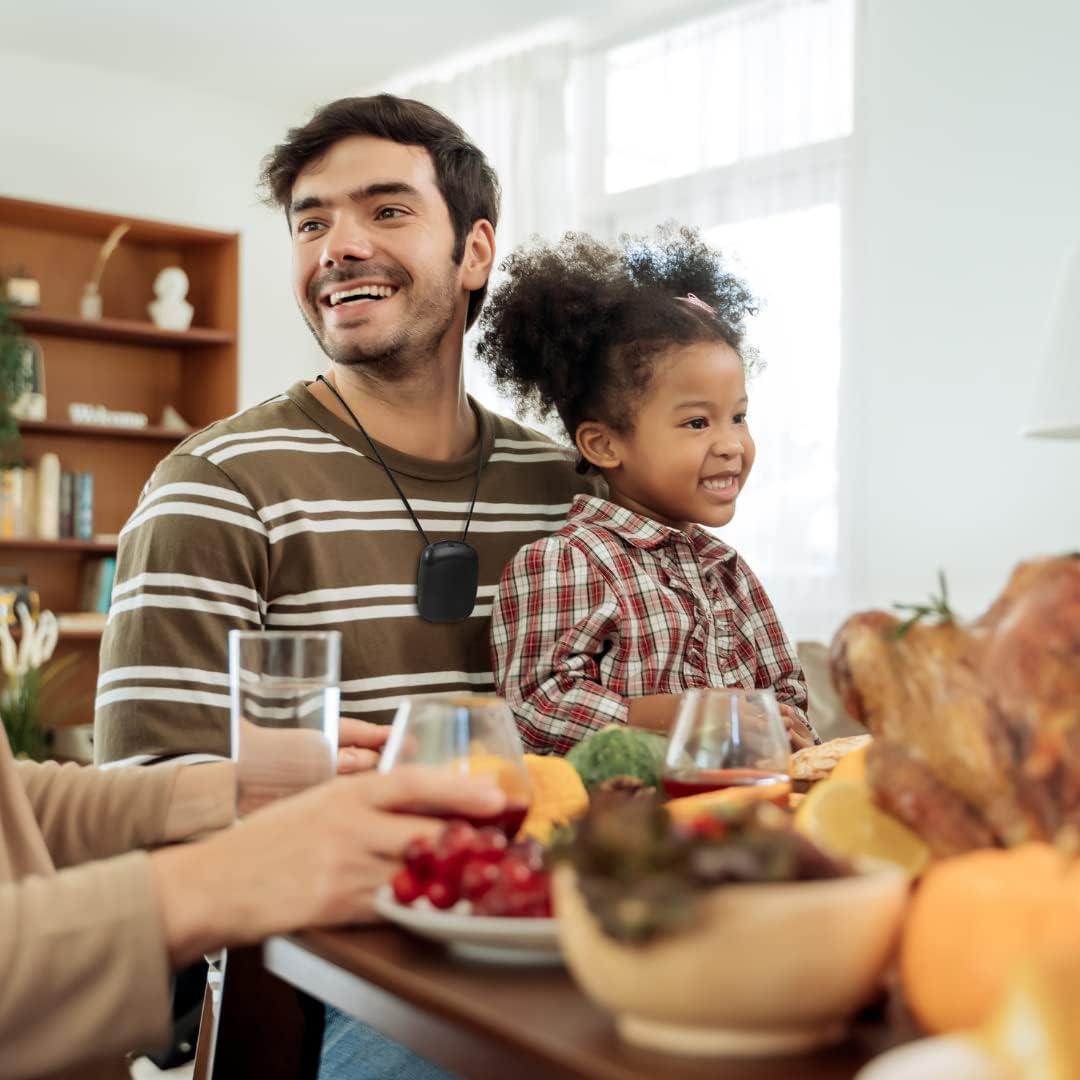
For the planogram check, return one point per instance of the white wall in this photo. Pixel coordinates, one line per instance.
(967, 191)
(90, 138)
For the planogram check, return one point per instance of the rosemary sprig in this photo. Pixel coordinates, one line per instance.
(936, 606)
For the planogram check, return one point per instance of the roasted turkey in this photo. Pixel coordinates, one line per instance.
(976, 726)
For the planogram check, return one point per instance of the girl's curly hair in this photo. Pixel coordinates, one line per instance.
(578, 325)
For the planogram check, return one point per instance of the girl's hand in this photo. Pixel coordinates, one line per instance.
(798, 729)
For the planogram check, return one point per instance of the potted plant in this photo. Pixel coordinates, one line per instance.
(14, 381)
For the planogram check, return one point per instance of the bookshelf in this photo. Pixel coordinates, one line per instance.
(122, 361)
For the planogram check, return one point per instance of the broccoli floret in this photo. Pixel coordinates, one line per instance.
(619, 751)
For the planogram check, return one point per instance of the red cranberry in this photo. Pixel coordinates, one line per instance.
(477, 878)
(419, 857)
(406, 885)
(489, 844)
(441, 894)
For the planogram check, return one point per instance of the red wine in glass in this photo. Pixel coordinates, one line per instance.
(508, 820)
(698, 781)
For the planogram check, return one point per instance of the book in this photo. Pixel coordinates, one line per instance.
(84, 506)
(48, 497)
(105, 584)
(67, 505)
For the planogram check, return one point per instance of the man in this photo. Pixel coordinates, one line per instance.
(282, 517)
(288, 515)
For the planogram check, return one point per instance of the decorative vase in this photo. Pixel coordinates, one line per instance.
(90, 304)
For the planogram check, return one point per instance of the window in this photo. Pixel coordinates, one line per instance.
(740, 124)
(756, 79)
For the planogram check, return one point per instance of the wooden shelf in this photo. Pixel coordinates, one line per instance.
(119, 331)
(33, 543)
(107, 431)
(83, 632)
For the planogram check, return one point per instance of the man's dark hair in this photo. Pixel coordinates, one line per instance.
(465, 178)
(577, 326)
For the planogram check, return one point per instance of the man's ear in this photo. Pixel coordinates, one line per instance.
(597, 444)
(479, 255)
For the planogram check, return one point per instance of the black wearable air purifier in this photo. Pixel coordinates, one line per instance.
(446, 581)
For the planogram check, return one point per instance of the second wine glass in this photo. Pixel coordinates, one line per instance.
(727, 738)
(469, 734)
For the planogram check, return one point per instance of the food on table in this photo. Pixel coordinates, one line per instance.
(641, 873)
(975, 918)
(976, 726)
(1034, 1031)
(813, 763)
(692, 807)
(618, 750)
(480, 866)
(841, 818)
(558, 796)
(512, 777)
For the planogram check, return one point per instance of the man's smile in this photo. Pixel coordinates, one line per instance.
(364, 292)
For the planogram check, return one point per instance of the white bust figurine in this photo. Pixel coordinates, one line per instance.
(170, 310)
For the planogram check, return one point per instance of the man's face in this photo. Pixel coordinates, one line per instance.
(372, 245)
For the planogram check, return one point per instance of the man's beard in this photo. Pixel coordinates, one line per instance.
(408, 349)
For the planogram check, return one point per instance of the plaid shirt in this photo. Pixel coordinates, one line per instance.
(616, 606)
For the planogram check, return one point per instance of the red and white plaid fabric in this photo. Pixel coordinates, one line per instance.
(614, 606)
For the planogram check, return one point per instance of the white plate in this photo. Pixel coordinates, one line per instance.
(476, 937)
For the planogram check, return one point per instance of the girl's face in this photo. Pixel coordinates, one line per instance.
(689, 452)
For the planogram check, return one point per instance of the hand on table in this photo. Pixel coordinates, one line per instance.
(798, 729)
(313, 859)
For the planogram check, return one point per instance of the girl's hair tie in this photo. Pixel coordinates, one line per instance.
(694, 301)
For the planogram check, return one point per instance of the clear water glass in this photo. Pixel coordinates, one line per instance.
(285, 696)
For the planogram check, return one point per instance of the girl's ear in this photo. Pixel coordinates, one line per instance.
(597, 444)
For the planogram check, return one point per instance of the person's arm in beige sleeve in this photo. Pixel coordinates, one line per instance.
(86, 968)
(87, 814)
(87, 951)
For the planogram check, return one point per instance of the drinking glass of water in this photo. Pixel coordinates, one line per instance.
(284, 690)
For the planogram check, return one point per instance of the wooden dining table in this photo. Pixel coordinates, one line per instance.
(477, 1020)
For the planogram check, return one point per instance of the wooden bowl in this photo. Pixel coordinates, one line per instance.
(764, 969)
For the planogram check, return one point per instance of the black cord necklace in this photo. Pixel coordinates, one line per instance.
(448, 573)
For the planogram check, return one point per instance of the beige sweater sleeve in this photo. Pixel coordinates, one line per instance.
(86, 813)
(85, 971)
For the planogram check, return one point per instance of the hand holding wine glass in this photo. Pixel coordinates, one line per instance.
(727, 738)
(469, 734)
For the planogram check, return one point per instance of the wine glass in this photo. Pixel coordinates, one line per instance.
(468, 734)
(726, 738)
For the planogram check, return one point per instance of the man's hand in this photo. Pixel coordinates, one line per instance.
(313, 859)
(798, 729)
(359, 743)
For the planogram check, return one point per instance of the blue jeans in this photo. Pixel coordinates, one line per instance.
(354, 1051)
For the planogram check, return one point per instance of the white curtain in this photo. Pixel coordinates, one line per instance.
(514, 109)
(739, 123)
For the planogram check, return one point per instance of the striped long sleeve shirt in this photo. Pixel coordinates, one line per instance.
(279, 518)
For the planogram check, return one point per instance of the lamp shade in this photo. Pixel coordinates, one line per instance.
(1056, 410)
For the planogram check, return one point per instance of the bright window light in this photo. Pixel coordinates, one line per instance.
(792, 259)
(753, 80)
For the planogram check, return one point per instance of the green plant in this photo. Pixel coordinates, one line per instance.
(20, 706)
(936, 607)
(14, 381)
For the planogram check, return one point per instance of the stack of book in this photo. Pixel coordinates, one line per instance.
(47, 502)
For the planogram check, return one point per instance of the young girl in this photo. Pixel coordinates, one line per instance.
(639, 351)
